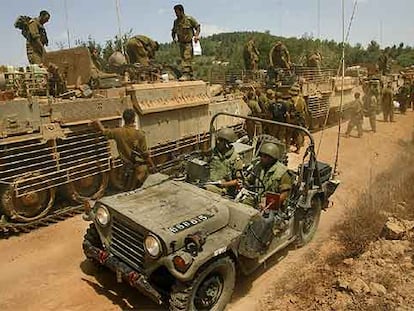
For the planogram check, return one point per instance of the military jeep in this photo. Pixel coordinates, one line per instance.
(181, 245)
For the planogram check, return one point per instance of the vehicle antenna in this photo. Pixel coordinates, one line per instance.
(342, 62)
(67, 21)
(118, 16)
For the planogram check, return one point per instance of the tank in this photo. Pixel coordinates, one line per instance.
(48, 149)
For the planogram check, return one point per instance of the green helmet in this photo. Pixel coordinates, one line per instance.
(270, 149)
(227, 134)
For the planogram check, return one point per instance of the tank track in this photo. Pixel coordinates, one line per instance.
(8, 229)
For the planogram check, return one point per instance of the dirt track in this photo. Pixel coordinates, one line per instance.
(46, 270)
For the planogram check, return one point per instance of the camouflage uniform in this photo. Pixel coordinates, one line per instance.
(141, 49)
(129, 139)
(370, 109)
(253, 128)
(279, 56)
(36, 31)
(184, 29)
(357, 116)
(298, 115)
(250, 55)
(387, 104)
(224, 167)
(279, 114)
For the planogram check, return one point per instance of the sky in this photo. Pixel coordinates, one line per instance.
(387, 22)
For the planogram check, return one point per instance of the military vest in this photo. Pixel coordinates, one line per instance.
(184, 28)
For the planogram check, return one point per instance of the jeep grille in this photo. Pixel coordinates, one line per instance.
(127, 244)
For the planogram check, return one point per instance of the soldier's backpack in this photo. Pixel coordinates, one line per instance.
(22, 23)
(279, 112)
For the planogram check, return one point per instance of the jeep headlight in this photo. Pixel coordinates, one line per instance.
(102, 216)
(152, 246)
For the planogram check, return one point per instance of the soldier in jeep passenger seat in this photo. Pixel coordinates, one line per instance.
(132, 147)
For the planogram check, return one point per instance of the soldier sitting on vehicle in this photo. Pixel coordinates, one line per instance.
(132, 147)
(225, 163)
(270, 175)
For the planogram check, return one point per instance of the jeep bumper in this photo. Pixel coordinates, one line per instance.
(123, 271)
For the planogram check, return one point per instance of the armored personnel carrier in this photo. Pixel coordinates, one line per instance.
(49, 151)
(321, 88)
(180, 244)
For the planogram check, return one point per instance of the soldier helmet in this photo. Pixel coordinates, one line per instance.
(227, 134)
(270, 92)
(279, 94)
(271, 149)
(117, 59)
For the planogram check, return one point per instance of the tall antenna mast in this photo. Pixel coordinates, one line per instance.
(67, 21)
(319, 20)
(118, 15)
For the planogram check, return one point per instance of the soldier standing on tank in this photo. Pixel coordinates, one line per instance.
(314, 61)
(370, 108)
(387, 103)
(225, 163)
(298, 115)
(141, 49)
(270, 174)
(357, 116)
(37, 38)
(279, 56)
(132, 147)
(251, 55)
(185, 29)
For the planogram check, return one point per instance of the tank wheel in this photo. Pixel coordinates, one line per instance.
(307, 222)
(90, 187)
(211, 289)
(30, 206)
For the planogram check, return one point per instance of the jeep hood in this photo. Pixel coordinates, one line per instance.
(172, 210)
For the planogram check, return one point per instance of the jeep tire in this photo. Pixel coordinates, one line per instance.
(211, 288)
(307, 221)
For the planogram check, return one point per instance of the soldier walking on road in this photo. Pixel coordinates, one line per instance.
(387, 103)
(185, 29)
(357, 116)
(132, 147)
(251, 55)
(35, 33)
(370, 108)
(141, 49)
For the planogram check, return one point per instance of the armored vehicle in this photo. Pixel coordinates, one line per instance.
(47, 146)
(181, 244)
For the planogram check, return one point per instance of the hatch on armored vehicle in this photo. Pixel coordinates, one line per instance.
(180, 243)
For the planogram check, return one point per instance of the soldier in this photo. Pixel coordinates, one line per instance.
(279, 56)
(357, 116)
(225, 163)
(132, 147)
(387, 103)
(383, 62)
(37, 38)
(279, 113)
(270, 174)
(298, 115)
(314, 61)
(141, 49)
(370, 108)
(253, 128)
(404, 96)
(251, 55)
(96, 59)
(185, 29)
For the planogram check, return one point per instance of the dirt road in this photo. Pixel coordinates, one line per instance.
(46, 270)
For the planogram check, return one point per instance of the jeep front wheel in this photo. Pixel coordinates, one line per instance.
(307, 222)
(211, 289)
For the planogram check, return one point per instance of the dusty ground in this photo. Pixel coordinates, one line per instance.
(46, 270)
